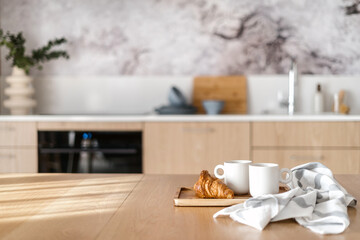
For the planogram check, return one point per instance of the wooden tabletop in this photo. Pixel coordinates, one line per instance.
(125, 206)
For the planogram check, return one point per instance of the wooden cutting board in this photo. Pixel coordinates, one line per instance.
(230, 89)
(185, 197)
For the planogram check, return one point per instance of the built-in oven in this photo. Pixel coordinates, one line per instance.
(89, 152)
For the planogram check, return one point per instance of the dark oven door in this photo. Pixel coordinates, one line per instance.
(90, 152)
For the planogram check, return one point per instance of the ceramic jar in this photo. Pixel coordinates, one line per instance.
(19, 92)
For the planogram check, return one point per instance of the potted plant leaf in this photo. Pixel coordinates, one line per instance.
(20, 91)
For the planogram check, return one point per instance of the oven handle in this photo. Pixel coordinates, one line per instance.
(126, 151)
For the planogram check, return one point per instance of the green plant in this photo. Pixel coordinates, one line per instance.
(16, 45)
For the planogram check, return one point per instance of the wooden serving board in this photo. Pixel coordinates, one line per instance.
(185, 197)
(230, 89)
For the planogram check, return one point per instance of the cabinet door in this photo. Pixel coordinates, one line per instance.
(18, 134)
(18, 160)
(306, 134)
(191, 147)
(339, 161)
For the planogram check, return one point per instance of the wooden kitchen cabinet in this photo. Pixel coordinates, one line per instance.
(335, 144)
(18, 160)
(18, 134)
(177, 148)
(339, 161)
(306, 134)
(18, 147)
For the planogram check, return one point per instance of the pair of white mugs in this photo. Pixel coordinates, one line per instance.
(260, 178)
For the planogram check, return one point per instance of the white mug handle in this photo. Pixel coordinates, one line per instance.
(289, 178)
(216, 171)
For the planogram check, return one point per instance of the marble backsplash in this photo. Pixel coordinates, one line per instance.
(191, 37)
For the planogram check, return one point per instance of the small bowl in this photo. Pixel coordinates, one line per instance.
(213, 107)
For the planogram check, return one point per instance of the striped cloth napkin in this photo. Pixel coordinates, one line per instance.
(316, 201)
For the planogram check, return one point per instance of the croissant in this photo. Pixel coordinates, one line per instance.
(209, 187)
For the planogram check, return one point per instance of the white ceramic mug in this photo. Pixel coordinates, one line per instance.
(236, 175)
(264, 178)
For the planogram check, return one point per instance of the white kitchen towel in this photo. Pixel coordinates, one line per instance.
(316, 201)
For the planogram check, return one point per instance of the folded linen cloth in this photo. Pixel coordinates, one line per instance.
(316, 201)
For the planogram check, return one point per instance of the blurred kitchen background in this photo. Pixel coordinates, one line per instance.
(126, 54)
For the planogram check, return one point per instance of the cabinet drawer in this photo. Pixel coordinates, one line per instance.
(306, 134)
(18, 134)
(17, 160)
(188, 148)
(339, 161)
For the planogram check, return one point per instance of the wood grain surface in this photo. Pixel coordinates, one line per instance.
(19, 160)
(231, 89)
(340, 161)
(188, 148)
(186, 197)
(60, 206)
(148, 213)
(306, 134)
(120, 206)
(18, 134)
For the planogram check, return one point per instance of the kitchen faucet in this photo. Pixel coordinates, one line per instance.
(293, 79)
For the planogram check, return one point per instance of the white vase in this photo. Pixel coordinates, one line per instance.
(20, 92)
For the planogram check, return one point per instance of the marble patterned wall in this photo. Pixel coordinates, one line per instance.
(191, 37)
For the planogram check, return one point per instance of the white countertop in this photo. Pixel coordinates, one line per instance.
(180, 118)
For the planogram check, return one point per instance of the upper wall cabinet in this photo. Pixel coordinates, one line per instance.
(306, 134)
(185, 148)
